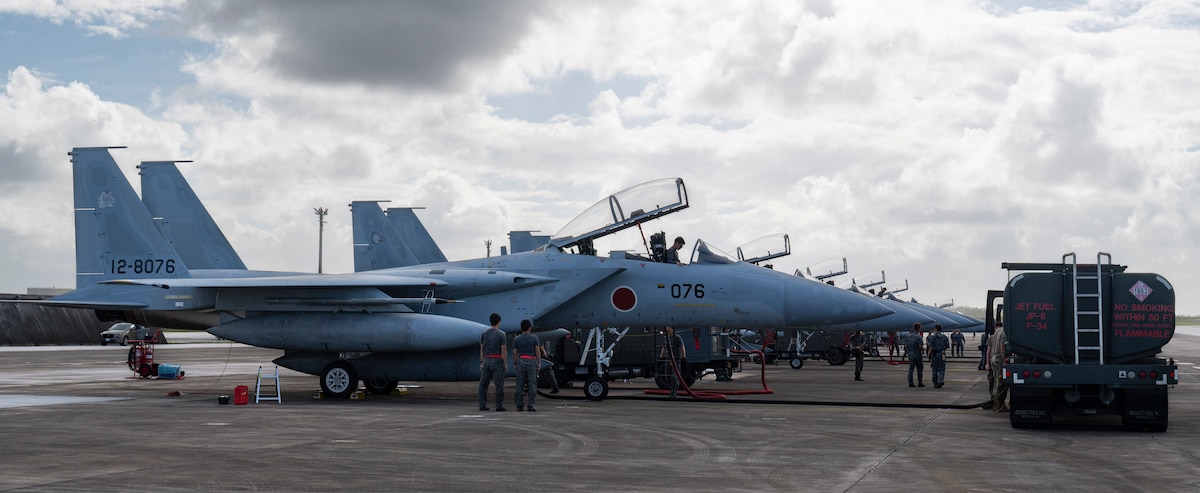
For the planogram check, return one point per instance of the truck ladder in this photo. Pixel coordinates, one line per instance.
(1089, 316)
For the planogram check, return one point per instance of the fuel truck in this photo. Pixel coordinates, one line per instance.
(1084, 339)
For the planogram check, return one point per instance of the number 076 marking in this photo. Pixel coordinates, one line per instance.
(687, 290)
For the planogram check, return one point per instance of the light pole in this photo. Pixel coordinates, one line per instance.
(321, 213)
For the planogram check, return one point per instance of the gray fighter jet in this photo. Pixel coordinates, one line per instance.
(421, 322)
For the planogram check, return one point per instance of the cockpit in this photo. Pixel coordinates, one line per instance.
(648, 201)
(624, 209)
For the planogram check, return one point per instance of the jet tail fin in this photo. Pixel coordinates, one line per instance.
(183, 219)
(115, 237)
(377, 244)
(415, 235)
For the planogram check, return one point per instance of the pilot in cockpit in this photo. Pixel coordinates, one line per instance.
(673, 252)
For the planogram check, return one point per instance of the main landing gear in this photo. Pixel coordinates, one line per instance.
(339, 380)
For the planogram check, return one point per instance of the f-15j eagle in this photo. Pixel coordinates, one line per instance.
(422, 322)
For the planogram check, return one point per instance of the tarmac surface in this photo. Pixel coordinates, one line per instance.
(73, 418)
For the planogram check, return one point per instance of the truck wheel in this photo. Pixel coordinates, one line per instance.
(595, 388)
(339, 380)
(796, 363)
(835, 356)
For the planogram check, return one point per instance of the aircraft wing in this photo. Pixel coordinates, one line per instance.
(302, 281)
(410, 283)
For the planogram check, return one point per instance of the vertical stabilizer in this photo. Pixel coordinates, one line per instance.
(115, 237)
(377, 244)
(526, 241)
(415, 235)
(184, 220)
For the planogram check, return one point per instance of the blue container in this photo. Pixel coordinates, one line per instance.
(168, 372)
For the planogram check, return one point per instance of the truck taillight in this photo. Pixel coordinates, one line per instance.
(1142, 374)
(1153, 375)
(1024, 373)
(1037, 373)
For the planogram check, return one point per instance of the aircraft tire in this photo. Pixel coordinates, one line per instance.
(796, 363)
(339, 380)
(595, 388)
(380, 388)
(835, 356)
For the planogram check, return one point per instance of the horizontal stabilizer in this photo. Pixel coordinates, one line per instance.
(88, 305)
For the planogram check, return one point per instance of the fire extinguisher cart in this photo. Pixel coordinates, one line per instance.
(141, 357)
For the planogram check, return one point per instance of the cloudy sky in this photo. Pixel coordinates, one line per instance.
(930, 140)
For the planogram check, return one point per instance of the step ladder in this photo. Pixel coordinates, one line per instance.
(1089, 313)
(272, 381)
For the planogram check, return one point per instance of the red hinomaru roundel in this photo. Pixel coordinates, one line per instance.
(624, 299)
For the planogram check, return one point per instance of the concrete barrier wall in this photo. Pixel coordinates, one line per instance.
(23, 324)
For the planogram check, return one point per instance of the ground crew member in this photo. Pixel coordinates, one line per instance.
(492, 363)
(916, 357)
(997, 353)
(526, 349)
(983, 350)
(857, 342)
(674, 351)
(959, 342)
(892, 349)
(938, 343)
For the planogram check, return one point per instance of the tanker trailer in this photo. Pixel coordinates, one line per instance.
(1084, 339)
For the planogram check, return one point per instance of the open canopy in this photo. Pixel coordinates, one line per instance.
(629, 207)
(766, 248)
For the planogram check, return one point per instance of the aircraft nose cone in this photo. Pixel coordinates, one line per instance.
(813, 303)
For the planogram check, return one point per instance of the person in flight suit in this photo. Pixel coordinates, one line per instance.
(857, 343)
(492, 363)
(938, 343)
(526, 348)
(916, 357)
(674, 349)
(673, 252)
